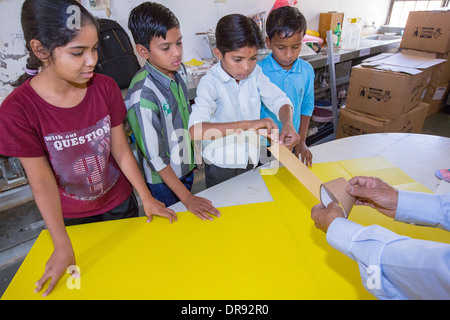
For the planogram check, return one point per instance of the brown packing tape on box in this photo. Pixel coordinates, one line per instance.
(334, 190)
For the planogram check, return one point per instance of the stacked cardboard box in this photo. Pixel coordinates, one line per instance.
(394, 92)
(352, 123)
(429, 31)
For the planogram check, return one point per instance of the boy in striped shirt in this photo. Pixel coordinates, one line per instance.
(158, 109)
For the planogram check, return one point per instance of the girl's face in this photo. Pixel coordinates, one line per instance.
(239, 64)
(75, 62)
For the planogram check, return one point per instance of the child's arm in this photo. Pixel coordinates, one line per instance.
(288, 136)
(46, 195)
(212, 130)
(301, 149)
(197, 205)
(277, 102)
(126, 161)
(307, 109)
(200, 125)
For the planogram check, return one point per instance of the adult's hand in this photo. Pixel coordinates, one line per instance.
(375, 193)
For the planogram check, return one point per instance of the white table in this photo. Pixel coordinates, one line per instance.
(418, 155)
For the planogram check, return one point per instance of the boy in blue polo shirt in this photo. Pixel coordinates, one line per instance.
(286, 27)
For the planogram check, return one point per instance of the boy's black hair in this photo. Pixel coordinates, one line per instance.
(285, 21)
(236, 31)
(149, 20)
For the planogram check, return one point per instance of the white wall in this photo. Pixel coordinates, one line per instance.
(195, 16)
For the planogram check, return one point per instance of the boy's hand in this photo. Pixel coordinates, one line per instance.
(154, 207)
(201, 207)
(265, 127)
(302, 152)
(289, 136)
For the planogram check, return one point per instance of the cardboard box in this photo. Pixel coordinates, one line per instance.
(329, 21)
(436, 92)
(389, 85)
(435, 96)
(427, 31)
(442, 72)
(352, 123)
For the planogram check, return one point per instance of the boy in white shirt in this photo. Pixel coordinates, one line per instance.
(228, 102)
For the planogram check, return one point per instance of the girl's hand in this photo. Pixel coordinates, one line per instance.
(154, 207)
(56, 266)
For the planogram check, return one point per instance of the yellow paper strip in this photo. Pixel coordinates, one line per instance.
(297, 168)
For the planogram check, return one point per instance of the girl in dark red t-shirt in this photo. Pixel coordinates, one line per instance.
(64, 123)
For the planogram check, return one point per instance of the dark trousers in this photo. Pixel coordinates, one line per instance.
(215, 175)
(127, 209)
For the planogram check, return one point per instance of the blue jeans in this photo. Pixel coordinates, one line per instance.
(161, 192)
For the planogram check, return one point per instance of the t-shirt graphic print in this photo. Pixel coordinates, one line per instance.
(81, 159)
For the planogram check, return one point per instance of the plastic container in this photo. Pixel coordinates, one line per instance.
(322, 111)
(351, 34)
(337, 33)
(324, 104)
(322, 115)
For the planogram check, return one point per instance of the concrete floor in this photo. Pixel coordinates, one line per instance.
(438, 123)
(21, 225)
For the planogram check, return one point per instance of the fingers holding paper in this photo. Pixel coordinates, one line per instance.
(265, 127)
(324, 216)
(289, 136)
(374, 192)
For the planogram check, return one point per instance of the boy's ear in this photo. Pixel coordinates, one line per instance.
(268, 43)
(218, 54)
(142, 51)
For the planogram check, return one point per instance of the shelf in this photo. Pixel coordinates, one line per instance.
(368, 48)
(324, 131)
(15, 184)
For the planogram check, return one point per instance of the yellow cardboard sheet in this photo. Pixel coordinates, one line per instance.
(242, 255)
(262, 251)
(336, 275)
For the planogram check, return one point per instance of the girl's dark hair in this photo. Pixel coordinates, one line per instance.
(149, 20)
(236, 31)
(50, 22)
(285, 21)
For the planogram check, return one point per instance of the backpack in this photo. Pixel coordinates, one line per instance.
(116, 57)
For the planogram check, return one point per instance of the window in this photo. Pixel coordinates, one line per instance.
(400, 9)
